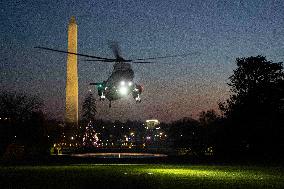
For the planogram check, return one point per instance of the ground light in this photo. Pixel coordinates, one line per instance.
(141, 176)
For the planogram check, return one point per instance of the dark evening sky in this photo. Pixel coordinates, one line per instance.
(215, 32)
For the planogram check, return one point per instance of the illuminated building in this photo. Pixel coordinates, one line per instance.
(152, 123)
(151, 128)
(71, 114)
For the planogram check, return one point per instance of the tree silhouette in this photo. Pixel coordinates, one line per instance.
(89, 137)
(256, 106)
(207, 117)
(210, 123)
(89, 108)
(21, 120)
(18, 107)
(185, 133)
(257, 81)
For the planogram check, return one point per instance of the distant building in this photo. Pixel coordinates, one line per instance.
(155, 135)
(152, 123)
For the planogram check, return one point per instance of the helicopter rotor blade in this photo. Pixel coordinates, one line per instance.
(108, 60)
(66, 52)
(168, 56)
(140, 62)
(114, 60)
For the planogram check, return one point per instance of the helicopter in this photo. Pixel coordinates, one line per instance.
(120, 83)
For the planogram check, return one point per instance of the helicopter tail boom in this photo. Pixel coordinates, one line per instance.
(95, 83)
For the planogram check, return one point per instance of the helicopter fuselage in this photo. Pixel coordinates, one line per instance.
(120, 84)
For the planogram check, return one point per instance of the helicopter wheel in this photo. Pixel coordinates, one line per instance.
(138, 101)
(102, 97)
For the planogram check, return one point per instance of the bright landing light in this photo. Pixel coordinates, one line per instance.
(123, 90)
(122, 83)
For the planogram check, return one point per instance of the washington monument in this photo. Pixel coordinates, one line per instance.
(71, 114)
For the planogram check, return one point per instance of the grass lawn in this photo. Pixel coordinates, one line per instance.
(140, 176)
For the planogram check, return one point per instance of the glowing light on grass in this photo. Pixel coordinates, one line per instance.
(184, 172)
(232, 175)
(161, 176)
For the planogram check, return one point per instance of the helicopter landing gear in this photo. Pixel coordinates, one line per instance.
(102, 97)
(138, 99)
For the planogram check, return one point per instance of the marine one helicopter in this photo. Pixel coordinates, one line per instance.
(120, 83)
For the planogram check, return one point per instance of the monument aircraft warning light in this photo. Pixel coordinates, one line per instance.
(120, 83)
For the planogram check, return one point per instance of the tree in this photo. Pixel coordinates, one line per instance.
(90, 138)
(18, 107)
(208, 117)
(185, 133)
(255, 81)
(210, 122)
(89, 108)
(21, 119)
(255, 108)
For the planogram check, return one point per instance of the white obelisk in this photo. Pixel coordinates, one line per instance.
(71, 114)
